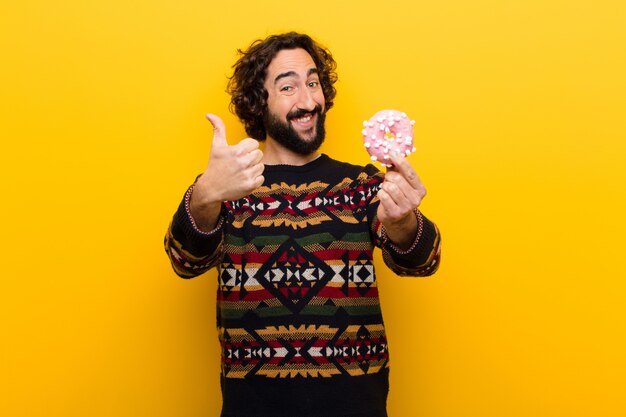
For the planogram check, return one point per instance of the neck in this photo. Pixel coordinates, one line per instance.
(276, 154)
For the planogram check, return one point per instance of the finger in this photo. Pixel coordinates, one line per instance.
(247, 145)
(219, 131)
(402, 182)
(396, 181)
(257, 170)
(250, 164)
(259, 181)
(388, 204)
(414, 193)
(392, 168)
(412, 196)
(403, 166)
(257, 156)
(398, 196)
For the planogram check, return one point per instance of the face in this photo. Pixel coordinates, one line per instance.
(295, 103)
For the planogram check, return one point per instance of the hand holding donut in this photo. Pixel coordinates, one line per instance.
(388, 138)
(401, 192)
(232, 173)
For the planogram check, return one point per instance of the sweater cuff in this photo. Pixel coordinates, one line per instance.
(185, 230)
(422, 244)
(217, 227)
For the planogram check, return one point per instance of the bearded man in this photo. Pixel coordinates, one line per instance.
(292, 233)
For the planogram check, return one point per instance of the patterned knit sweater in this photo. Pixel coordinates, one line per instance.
(298, 313)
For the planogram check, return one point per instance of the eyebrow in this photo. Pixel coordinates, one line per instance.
(293, 74)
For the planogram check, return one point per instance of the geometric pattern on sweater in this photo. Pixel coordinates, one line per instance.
(306, 351)
(186, 264)
(297, 292)
(292, 279)
(302, 205)
(294, 275)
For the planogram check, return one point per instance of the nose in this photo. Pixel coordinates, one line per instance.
(306, 99)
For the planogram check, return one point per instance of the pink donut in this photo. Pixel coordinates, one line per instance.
(386, 132)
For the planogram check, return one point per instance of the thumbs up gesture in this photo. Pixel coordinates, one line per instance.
(232, 173)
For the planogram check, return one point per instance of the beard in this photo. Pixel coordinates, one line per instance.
(286, 135)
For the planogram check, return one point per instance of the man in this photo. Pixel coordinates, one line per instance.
(292, 233)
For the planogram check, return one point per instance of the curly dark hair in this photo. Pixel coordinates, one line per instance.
(246, 86)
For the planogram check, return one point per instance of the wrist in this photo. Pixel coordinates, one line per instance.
(203, 212)
(404, 233)
(204, 194)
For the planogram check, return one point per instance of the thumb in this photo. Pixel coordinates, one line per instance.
(394, 163)
(219, 131)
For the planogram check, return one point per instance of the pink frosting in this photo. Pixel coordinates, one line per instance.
(388, 131)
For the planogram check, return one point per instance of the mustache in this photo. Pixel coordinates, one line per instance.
(301, 112)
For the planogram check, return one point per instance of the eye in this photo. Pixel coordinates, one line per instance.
(287, 90)
(314, 84)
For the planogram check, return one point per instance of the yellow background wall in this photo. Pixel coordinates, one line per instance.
(520, 109)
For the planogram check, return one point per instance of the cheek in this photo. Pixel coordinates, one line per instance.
(280, 105)
(319, 97)
(272, 104)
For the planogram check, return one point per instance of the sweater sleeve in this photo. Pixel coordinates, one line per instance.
(422, 257)
(190, 250)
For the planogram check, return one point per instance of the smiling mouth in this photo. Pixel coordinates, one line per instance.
(304, 121)
(307, 117)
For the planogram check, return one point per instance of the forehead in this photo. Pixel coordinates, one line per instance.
(286, 60)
